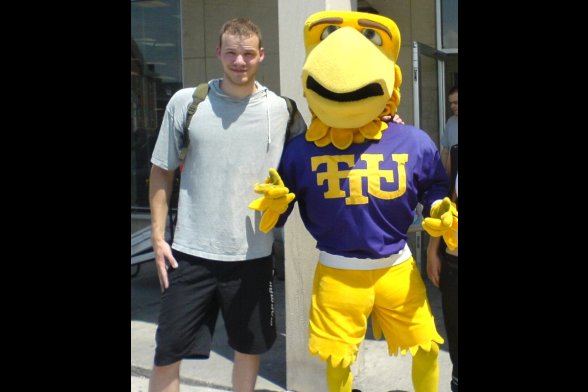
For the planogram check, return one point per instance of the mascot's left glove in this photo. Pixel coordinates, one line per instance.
(274, 202)
(443, 222)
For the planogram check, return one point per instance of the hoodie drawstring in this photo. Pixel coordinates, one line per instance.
(269, 123)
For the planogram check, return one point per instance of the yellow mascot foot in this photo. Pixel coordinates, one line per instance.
(425, 369)
(339, 379)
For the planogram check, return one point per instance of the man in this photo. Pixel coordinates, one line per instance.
(442, 270)
(219, 260)
(449, 137)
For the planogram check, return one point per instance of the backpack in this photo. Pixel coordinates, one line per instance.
(199, 95)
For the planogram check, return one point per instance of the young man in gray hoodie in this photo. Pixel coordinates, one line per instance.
(219, 259)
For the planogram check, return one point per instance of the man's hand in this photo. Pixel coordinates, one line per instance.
(274, 202)
(163, 252)
(443, 222)
(433, 261)
(397, 119)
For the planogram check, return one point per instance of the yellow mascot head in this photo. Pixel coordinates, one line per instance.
(350, 77)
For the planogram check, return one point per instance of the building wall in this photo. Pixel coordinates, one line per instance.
(202, 19)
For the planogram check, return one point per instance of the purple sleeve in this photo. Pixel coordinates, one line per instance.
(288, 182)
(435, 182)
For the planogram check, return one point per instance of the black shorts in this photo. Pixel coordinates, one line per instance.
(198, 288)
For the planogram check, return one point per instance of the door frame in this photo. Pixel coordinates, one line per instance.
(419, 49)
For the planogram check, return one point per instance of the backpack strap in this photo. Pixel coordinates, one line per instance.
(200, 93)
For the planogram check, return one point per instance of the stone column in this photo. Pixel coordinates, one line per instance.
(305, 372)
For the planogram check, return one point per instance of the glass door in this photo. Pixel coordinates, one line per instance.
(429, 115)
(429, 89)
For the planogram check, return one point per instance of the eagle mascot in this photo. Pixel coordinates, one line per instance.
(357, 180)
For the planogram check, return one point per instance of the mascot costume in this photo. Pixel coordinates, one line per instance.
(357, 181)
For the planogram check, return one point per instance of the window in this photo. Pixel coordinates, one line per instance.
(156, 74)
(448, 22)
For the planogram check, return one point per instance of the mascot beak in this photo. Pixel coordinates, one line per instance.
(347, 80)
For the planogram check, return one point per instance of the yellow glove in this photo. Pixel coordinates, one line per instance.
(443, 222)
(274, 202)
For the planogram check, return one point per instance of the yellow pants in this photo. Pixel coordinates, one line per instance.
(395, 297)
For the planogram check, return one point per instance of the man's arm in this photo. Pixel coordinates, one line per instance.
(434, 260)
(160, 189)
(445, 159)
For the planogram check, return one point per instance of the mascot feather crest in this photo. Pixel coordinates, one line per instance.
(346, 105)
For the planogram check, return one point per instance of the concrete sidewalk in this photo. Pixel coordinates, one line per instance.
(374, 370)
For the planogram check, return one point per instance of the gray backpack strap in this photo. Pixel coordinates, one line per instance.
(200, 93)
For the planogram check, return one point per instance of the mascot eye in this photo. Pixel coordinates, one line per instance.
(373, 36)
(328, 30)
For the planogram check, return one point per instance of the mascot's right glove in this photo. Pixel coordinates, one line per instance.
(274, 202)
(443, 222)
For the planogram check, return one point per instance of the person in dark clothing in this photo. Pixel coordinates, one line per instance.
(442, 271)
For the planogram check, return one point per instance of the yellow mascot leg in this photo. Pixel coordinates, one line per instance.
(339, 378)
(425, 369)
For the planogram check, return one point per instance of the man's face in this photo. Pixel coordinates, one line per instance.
(240, 57)
(453, 103)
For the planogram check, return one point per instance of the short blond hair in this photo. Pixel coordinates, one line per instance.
(240, 27)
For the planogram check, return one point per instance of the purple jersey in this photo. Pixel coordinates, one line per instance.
(359, 202)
